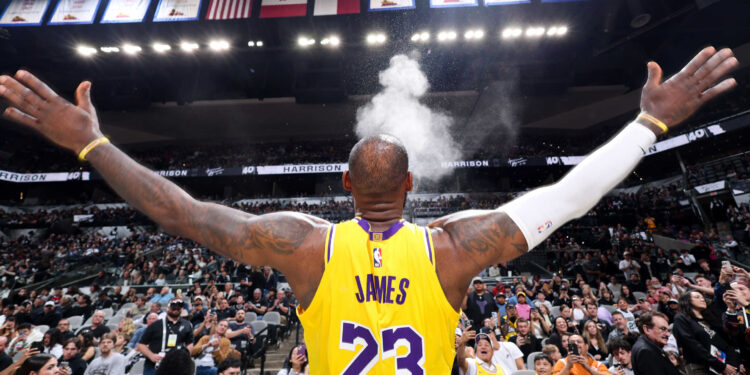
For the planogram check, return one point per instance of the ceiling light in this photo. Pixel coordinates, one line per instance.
(110, 49)
(189, 46)
(131, 49)
(86, 50)
(218, 45)
(161, 47)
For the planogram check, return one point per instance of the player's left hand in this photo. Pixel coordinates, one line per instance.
(679, 97)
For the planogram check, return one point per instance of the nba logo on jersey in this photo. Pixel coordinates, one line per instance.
(377, 257)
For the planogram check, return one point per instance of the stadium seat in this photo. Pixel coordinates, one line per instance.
(137, 368)
(530, 359)
(251, 317)
(75, 322)
(609, 308)
(108, 312)
(524, 372)
(85, 290)
(639, 295)
(272, 318)
(259, 325)
(545, 341)
(42, 328)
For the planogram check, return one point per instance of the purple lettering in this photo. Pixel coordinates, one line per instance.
(360, 296)
(381, 285)
(371, 293)
(390, 289)
(402, 286)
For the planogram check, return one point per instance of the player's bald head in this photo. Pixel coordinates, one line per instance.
(378, 164)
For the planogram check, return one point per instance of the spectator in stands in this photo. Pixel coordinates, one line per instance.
(540, 321)
(623, 307)
(592, 313)
(478, 304)
(621, 329)
(51, 343)
(97, 327)
(109, 362)
(87, 347)
(509, 323)
(71, 357)
(223, 311)
(500, 301)
(628, 266)
(555, 338)
(197, 313)
(648, 356)
(241, 333)
(212, 349)
(270, 279)
(597, 345)
(735, 319)
(258, 304)
(176, 361)
(524, 339)
(296, 363)
(563, 298)
(179, 334)
(552, 352)
(542, 364)
(698, 332)
(206, 326)
(140, 308)
(620, 349)
(5, 359)
(64, 327)
(150, 318)
(229, 366)
(39, 364)
(522, 306)
(84, 307)
(50, 317)
(567, 313)
(581, 363)
(24, 338)
(163, 296)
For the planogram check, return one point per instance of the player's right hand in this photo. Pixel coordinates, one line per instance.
(679, 97)
(34, 104)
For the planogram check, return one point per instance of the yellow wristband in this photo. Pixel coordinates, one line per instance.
(96, 142)
(654, 121)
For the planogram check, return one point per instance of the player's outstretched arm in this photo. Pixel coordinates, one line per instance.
(471, 241)
(267, 239)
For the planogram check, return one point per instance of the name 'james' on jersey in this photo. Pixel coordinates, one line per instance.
(379, 308)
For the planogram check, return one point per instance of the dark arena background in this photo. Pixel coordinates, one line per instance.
(259, 113)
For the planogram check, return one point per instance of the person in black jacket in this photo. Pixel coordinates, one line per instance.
(699, 334)
(647, 356)
(525, 339)
(71, 357)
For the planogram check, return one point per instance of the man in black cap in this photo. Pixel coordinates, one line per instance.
(165, 335)
(509, 323)
(563, 298)
(479, 304)
(500, 301)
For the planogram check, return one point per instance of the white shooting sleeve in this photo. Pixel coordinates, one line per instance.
(544, 210)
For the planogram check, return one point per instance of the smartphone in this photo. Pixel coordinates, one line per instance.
(726, 263)
(572, 349)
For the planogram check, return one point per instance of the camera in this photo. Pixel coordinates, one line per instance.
(486, 330)
(176, 305)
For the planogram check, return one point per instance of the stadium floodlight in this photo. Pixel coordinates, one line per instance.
(535, 32)
(421, 37)
(259, 43)
(305, 42)
(108, 49)
(512, 33)
(189, 46)
(251, 44)
(219, 45)
(86, 51)
(331, 41)
(131, 49)
(556, 31)
(474, 35)
(446, 36)
(375, 38)
(161, 47)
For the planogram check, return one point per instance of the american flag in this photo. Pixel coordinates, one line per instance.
(229, 9)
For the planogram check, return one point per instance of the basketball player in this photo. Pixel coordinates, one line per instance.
(377, 294)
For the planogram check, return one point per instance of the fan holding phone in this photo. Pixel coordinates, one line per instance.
(578, 362)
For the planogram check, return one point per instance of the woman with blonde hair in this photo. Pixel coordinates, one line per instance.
(126, 327)
(597, 344)
(586, 292)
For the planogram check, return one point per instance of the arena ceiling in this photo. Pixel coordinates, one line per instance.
(587, 78)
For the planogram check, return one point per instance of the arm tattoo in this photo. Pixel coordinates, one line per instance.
(488, 234)
(278, 235)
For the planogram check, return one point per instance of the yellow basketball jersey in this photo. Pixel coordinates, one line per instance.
(482, 371)
(379, 308)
